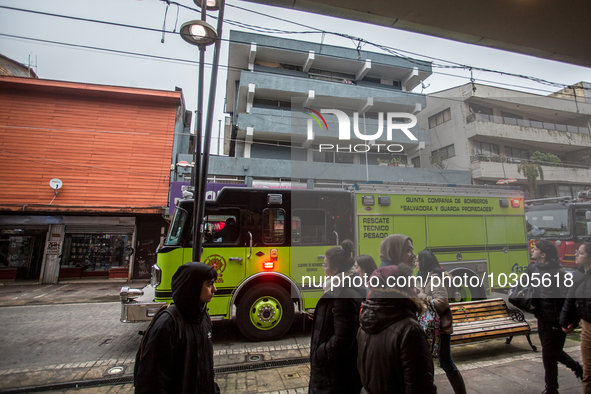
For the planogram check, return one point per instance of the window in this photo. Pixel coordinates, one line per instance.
(479, 109)
(273, 226)
(486, 149)
(581, 224)
(333, 157)
(308, 227)
(517, 153)
(96, 252)
(332, 76)
(221, 227)
(439, 118)
(176, 229)
(445, 153)
(510, 115)
(416, 161)
(551, 222)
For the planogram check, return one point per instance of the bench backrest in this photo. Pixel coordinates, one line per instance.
(479, 310)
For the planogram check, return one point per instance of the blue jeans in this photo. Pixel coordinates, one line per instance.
(445, 361)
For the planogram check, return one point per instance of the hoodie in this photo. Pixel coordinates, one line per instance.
(391, 249)
(176, 354)
(393, 353)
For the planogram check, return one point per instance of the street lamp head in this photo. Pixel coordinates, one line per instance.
(198, 33)
(212, 5)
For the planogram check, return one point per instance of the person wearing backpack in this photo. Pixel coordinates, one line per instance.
(176, 353)
(547, 304)
(435, 291)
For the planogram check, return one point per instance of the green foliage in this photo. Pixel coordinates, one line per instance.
(532, 169)
(438, 161)
(545, 158)
(391, 161)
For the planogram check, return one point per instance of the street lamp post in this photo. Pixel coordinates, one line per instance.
(201, 34)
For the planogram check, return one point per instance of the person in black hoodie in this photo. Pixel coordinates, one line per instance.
(333, 346)
(394, 355)
(176, 353)
(547, 303)
(577, 308)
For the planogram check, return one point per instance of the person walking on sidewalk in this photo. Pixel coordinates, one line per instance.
(394, 355)
(397, 249)
(176, 353)
(547, 303)
(577, 308)
(333, 346)
(428, 267)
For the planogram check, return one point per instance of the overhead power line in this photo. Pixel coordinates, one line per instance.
(196, 62)
(314, 30)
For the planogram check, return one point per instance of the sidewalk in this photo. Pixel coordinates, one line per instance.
(519, 371)
(67, 292)
(488, 367)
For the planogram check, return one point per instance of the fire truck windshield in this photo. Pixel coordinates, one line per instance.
(548, 223)
(176, 228)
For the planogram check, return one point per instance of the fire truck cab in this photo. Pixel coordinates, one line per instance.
(561, 220)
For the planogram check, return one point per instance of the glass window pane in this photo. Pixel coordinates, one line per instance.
(309, 226)
(273, 226)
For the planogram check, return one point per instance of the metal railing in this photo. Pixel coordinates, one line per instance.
(517, 160)
(527, 123)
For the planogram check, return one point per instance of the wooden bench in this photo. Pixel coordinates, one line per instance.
(487, 319)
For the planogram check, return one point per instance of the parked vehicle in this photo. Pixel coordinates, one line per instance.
(274, 265)
(561, 220)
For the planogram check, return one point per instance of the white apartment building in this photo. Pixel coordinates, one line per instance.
(276, 86)
(490, 131)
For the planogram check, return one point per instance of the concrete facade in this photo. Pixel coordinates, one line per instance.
(277, 86)
(490, 131)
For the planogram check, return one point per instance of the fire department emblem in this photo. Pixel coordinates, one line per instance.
(217, 262)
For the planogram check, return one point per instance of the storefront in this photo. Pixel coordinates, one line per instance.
(21, 252)
(52, 248)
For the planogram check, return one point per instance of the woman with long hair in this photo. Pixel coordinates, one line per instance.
(333, 346)
(428, 267)
(577, 309)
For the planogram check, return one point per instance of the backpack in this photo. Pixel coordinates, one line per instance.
(430, 322)
(178, 323)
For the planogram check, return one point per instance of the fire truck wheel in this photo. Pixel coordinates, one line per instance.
(265, 313)
(467, 293)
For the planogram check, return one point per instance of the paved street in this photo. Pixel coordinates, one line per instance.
(79, 342)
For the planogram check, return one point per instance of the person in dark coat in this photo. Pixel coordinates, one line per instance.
(577, 309)
(394, 355)
(547, 302)
(333, 346)
(176, 353)
(397, 249)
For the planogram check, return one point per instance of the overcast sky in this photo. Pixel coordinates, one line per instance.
(68, 63)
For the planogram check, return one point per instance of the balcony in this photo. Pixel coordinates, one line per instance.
(527, 123)
(493, 168)
(287, 169)
(284, 125)
(527, 130)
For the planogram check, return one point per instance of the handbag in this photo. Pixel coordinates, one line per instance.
(522, 297)
(429, 321)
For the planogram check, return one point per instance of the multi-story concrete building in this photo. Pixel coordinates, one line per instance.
(274, 88)
(493, 131)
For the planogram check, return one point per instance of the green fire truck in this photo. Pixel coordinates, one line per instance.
(279, 237)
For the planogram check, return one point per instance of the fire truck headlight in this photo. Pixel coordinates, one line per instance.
(156, 275)
(558, 242)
